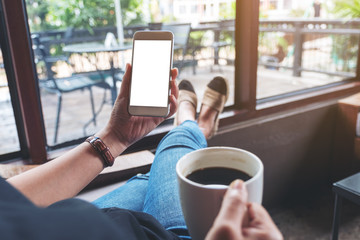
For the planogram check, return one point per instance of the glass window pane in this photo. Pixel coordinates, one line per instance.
(8, 131)
(79, 61)
(305, 44)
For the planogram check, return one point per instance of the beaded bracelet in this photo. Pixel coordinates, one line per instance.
(102, 150)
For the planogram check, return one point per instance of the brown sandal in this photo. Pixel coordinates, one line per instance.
(215, 96)
(186, 93)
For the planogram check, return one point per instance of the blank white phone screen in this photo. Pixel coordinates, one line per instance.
(150, 73)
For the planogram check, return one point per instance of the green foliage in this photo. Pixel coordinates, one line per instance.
(57, 14)
(37, 12)
(347, 8)
(227, 12)
(132, 12)
(299, 12)
(345, 48)
(168, 19)
(263, 15)
(81, 13)
(282, 42)
(195, 38)
(344, 52)
(269, 43)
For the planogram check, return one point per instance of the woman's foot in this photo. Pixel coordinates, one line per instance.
(206, 120)
(187, 103)
(215, 97)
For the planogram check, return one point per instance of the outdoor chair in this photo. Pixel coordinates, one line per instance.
(219, 29)
(155, 25)
(181, 45)
(226, 27)
(69, 84)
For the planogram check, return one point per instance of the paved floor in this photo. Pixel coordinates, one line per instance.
(310, 217)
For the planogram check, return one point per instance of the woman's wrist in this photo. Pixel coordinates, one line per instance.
(111, 140)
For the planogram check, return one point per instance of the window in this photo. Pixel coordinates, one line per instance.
(194, 9)
(273, 4)
(247, 57)
(287, 4)
(8, 131)
(182, 9)
(12, 144)
(73, 109)
(305, 47)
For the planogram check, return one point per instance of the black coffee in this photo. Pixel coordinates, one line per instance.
(217, 175)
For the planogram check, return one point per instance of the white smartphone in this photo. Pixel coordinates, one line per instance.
(152, 57)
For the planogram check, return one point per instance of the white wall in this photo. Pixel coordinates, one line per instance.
(193, 11)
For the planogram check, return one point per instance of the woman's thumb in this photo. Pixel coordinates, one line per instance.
(234, 205)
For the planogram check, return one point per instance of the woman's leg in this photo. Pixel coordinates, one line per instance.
(128, 196)
(162, 198)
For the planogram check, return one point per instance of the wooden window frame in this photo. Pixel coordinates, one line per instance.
(8, 67)
(246, 105)
(25, 79)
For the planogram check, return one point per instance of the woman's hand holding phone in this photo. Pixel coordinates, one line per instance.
(124, 129)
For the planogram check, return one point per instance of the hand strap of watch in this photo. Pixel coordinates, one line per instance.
(100, 147)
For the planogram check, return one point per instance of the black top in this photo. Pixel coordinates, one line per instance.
(72, 219)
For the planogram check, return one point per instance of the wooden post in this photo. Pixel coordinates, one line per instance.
(298, 50)
(26, 83)
(246, 44)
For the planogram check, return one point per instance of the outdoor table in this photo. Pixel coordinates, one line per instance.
(95, 47)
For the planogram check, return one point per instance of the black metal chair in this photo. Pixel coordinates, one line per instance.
(181, 45)
(226, 27)
(220, 29)
(155, 25)
(69, 84)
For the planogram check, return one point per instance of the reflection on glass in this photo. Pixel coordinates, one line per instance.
(81, 48)
(8, 132)
(305, 44)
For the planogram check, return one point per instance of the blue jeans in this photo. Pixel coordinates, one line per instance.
(156, 192)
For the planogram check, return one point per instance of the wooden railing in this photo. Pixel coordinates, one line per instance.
(322, 37)
(317, 38)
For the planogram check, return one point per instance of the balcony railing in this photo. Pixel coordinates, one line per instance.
(324, 46)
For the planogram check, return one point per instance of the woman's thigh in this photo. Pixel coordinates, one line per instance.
(130, 196)
(162, 198)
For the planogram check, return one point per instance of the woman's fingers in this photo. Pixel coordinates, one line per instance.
(228, 223)
(234, 206)
(261, 225)
(174, 88)
(125, 83)
(173, 106)
(174, 93)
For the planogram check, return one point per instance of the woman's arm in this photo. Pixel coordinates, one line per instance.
(66, 176)
(63, 177)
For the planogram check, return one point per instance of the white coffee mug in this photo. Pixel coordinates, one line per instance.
(201, 203)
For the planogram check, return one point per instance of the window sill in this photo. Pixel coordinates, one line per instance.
(264, 108)
(124, 167)
(232, 116)
(324, 93)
